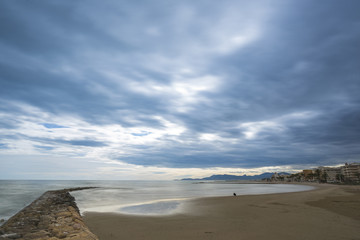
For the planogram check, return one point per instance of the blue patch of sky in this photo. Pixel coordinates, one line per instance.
(52, 125)
(3, 146)
(86, 143)
(141, 134)
(44, 147)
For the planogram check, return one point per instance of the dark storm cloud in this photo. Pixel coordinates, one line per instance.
(307, 60)
(49, 29)
(38, 38)
(92, 61)
(259, 153)
(340, 128)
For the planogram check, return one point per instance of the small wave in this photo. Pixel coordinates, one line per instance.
(157, 208)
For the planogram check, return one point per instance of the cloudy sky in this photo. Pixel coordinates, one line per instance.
(157, 89)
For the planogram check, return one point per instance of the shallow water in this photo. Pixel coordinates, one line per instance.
(129, 197)
(17, 194)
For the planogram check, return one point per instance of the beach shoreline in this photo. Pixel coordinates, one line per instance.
(326, 212)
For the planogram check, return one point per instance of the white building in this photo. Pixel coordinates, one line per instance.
(351, 172)
(331, 173)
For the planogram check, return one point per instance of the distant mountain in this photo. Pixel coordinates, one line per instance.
(237, 177)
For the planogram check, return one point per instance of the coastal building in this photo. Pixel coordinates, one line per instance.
(346, 173)
(351, 172)
(330, 174)
(308, 174)
(279, 177)
(275, 177)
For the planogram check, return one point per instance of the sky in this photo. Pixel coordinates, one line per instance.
(170, 89)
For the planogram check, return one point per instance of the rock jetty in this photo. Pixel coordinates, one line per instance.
(54, 215)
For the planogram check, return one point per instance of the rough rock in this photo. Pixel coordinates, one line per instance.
(54, 215)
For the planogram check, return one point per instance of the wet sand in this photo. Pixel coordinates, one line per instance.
(328, 212)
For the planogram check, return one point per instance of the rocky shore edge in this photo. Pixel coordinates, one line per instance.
(54, 215)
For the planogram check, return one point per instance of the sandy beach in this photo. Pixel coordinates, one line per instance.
(328, 212)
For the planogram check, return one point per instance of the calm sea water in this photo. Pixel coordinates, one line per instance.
(129, 197)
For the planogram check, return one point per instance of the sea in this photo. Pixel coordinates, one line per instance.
(129, 197)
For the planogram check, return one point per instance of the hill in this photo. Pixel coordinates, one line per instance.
(236, 177)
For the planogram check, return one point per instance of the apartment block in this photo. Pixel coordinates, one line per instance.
(351, 172)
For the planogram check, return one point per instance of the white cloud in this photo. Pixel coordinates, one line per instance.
(252, 129)
(275, 126)
(180, 93)
(238, 41)
(30, 134)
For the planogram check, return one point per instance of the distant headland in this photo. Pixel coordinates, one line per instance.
(236, 177)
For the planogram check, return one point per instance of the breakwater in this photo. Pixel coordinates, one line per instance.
(54, 215)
